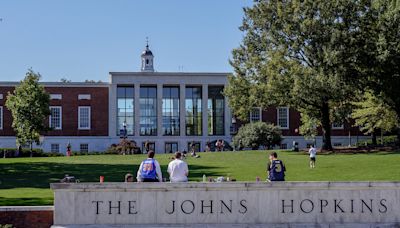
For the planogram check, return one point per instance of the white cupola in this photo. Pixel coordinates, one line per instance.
(147, 59)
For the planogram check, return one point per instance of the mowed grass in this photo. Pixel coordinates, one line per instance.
(25, 181)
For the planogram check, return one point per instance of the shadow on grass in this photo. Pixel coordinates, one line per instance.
(26, 201)
(41, 174)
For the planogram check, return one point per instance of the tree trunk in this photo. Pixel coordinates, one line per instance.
(31, 147)
(374, 141)
(326, 128)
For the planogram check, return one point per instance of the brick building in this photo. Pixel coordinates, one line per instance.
(168, 109)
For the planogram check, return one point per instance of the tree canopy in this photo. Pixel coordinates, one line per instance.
(300, 54)
(29, 106)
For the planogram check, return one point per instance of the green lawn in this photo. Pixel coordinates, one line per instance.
(25, 181)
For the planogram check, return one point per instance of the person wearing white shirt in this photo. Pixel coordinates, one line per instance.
(313, 153)
(178, 170)
(149, 169)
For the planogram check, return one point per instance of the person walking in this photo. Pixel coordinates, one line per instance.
(149, 169)
(313, 154)
(178, 170)
(276, 169)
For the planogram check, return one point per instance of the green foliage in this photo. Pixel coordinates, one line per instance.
(29, 106)
(308, 126)
(385, 140)
(380, 56)
(372, 114)
(258, 134)
(301, 54)
(11, 152)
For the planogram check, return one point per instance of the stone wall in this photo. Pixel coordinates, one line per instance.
(27, 217)
(311, 204)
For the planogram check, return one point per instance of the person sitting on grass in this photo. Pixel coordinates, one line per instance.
(149, 170)
(276, 169)
(178, 170)
(128, 178)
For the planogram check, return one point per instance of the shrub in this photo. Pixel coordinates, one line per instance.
(258, 134)
(25, 152)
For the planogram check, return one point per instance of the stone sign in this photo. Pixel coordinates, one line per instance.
(284, 203)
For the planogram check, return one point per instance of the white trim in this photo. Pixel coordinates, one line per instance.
(1, 118)
(259, 113)
(341, 127)
(55, 96)
(84, 97)
(60, 108)
(79, 118)
(287, 117)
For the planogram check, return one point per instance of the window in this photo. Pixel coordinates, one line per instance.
(309, 145)
(193, 108)
(215, 109)
(194, 145)
(152, 146)
(338, 125)
(148, 111)
(171, 147)
(255, 115)
(84, 148)
(1, 117)
(337, 144)
(283, 117)
(170, 111)
(55, 148)
(84, 117)
(55, 118)
(84, 97)
(126, 109)
(283, 146)
(55, 96)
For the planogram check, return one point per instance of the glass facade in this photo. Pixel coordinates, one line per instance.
(148, 111)
(170, 111)
(215, 110)
(193, 110)
(126, 109)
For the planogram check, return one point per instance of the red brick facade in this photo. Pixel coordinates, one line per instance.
(69, 103)
(27, 219)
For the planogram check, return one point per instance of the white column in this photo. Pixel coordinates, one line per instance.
(228, 119)
(112, 111)
(204, 110)
(159, 109)
(137, 109)
(182, 115)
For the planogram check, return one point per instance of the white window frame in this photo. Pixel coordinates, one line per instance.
(80, 148)
(57, 107)
(51, 148)
(287, 117)
(1, 117)
(341, 127)
(259, 113)
(89, 116)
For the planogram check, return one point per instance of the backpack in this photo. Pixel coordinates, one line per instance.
(148, 169)
(277, 171)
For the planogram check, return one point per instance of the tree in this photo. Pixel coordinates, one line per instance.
(258, 134)
(300, 54)
(372, 114)
(380, 56)
(29, 106)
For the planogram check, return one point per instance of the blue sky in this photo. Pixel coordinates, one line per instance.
(81, 40)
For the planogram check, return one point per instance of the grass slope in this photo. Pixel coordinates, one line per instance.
(25, 181)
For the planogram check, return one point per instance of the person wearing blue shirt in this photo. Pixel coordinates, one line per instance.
(276, 169)
(149, 169)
